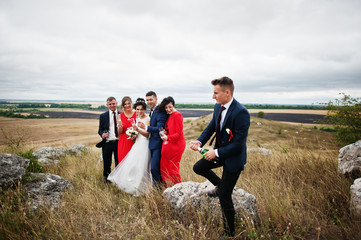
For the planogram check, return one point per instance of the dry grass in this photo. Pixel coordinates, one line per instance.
(299, 193)
(51, 132)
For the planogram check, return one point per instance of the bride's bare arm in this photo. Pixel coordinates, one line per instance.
(142, 131)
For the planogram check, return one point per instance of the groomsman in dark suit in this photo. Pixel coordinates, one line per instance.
(108, 131)
(230, 122)
(157, 120)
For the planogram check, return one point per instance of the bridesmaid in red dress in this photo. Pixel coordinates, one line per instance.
(173, 143)
(125, 122)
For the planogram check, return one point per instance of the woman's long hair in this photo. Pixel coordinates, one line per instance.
(165, 102)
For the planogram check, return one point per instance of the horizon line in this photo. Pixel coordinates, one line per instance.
(65, 101)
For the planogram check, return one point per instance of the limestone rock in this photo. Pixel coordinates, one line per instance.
(78, 149)
(51, 155)
(45, 189)
(50, 152)
(262, 151)
(349, 160)
(12, 169)
(48, 161)
(355, 203)
(195, 194)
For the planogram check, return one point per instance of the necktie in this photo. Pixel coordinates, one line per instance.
(115, 124)
(218, 129)
(151, 111)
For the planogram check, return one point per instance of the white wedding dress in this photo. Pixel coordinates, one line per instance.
(132, 175)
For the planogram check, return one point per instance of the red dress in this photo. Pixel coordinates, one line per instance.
(173, 150)
(125, 144)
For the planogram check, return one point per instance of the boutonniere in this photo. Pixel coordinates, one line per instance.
(230, 134)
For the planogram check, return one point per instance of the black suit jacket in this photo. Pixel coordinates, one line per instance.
(157, 120)
(233, 151)
(103, 123)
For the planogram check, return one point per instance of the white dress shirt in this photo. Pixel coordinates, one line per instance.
(111, 136)
(227, 105)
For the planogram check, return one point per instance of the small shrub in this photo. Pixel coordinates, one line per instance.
(15, 139)
(34, 165)
(260, 114)
(328, 129)
(344, 115)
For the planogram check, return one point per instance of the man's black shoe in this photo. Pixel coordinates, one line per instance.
(213, 192)
(106, 181)
(226, 236)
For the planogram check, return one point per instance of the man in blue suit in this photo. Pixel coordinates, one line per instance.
(108, 131)
(157, 120)
(230, 122)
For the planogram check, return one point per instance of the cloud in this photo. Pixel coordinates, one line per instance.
(276, 51)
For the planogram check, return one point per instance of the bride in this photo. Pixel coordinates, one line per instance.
(132, 175)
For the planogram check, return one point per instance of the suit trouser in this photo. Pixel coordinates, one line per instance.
(155, 165)
(108, 149)
(225, 188)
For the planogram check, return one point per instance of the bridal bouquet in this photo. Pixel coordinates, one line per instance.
(131, 133)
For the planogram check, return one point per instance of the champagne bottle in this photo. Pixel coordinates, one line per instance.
(204, 150)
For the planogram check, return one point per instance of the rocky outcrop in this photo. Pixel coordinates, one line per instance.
(45, 189)
(52, 155)
(78, 149)
(50, 152)
(12, 169)
(355, 203)
(349, 160)
(49, 155)
(194, 194)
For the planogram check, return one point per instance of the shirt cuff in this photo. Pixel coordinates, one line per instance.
(216, 152)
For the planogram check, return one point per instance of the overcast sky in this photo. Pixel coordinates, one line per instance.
(276, 51)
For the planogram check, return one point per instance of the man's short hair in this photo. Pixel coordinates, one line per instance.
(151, 93)
(109, 99)
(224, 83)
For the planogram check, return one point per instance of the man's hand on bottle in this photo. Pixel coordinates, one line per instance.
(211, 154)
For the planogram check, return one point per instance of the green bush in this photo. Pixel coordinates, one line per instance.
(328, 129)
(34, 165)
(344, 115)
(260, 114)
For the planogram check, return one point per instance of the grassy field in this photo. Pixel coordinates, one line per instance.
(300, 194)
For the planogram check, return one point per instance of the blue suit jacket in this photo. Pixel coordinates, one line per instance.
(234, 151)
(103, 123)
(157, 120)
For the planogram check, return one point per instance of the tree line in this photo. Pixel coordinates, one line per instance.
(9, 105)
(248, 106)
